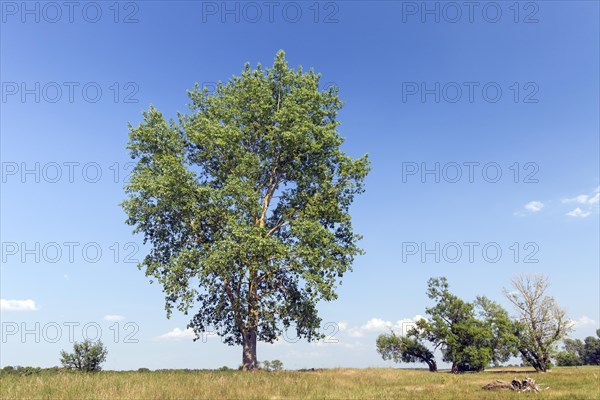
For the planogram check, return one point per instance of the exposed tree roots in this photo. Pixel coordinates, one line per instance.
(526, 385)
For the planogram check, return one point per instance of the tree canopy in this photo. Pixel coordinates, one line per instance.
(87, 356)
(470, 336)
(245, 203)
(467, 342)
(405, 349)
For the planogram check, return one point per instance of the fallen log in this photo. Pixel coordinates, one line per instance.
(526, 385)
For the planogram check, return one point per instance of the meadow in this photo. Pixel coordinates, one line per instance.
(370, 383)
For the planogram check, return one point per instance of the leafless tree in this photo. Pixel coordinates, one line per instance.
(541, 322)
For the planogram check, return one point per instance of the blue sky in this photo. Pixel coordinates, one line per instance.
(497, 89)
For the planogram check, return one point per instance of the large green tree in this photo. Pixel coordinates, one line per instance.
(471, 336)
(244, 201)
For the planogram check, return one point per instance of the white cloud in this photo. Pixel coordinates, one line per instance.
(355, 345)
(578, 213)
(17, 305)
(178, 334)
(372, 325)
(402, 326)
(114, 317)
(378, 325)
(534, 206)
(584, 320)
(593, 198)
(342, 326)
(581, 199)
(355, 332)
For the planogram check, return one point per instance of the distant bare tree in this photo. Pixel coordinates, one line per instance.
(541, 322)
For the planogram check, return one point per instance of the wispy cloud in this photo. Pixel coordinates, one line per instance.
(595, 199)
(534, 206)
(178, 334)
(378, 325)
(531, 207)
(114, 317)
(17, 305)
(592, 198)
(587, 202)
(584, 320)
(578, 213)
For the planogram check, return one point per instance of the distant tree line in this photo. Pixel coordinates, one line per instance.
(577, 352)
(25, 370)
(474, 335)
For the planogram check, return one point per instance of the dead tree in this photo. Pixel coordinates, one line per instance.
(526, 385)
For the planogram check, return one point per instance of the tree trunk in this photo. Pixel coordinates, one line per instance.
(432, 365)
(249, 361)
(454, 368)
(534, 360)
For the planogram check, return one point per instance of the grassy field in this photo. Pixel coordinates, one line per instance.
(372, 383)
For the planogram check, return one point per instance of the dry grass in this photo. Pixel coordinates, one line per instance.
(372, 383)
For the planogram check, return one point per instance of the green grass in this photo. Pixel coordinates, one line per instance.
(372, 383)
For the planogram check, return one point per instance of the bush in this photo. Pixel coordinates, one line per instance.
(8, 370)
(87, 356)
(143, 370)
(19, 370)
(274, 365)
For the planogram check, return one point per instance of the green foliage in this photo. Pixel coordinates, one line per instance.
(275, 365)
(407, 349)
(9, 369)
(577, 352)
(471, 336)
(574, 346)
(568, 359)
(468, 342)
(266, 365)
(591, 355)
(143, 370)
(245, 203)
(87, 356)
(26, 371)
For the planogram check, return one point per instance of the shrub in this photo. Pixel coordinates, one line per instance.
(274, 365)
(9, 369)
